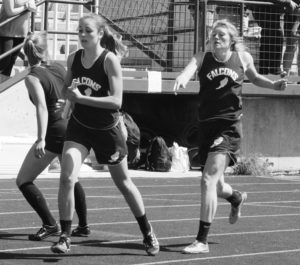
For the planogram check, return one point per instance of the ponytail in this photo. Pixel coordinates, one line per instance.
(110, 40)
(35, 47)
(113, 43)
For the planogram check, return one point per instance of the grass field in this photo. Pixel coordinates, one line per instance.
(267, 233)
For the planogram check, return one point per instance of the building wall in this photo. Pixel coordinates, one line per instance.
(271, 125)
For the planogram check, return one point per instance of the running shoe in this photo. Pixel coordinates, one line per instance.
(81, 231)
(62, 246)
(44, 232)
(235, 212)
(196, 247)
(151, 243)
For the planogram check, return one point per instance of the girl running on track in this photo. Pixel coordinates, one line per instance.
(95, 123)
(221, 73)
(44, 84)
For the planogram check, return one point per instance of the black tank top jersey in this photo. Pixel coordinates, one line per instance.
(93, 82)
(52, 79)
(221, 88)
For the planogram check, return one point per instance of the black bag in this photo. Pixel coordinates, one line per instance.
(158, 157)
(133, 141)
(133, 131)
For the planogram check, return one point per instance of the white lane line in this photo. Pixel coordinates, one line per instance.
(181, 261)
(163, 185)
(161, 221)
(153, 194)
(262, 204)
(160, 239)
(149, 207)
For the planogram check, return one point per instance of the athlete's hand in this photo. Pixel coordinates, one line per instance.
(73, 95)
(180, 82)
(39, 151)
(293, 5)
(59, 105)
(280, 84)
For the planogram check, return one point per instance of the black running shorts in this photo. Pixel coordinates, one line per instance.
(55, 136)
(109, 145)
(219, 136)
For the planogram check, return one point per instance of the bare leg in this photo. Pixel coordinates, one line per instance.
(120, 176)
(224, 190)
(72, 159)
(212, 176)
(31, 168)
(212, 185)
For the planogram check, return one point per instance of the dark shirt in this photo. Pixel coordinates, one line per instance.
(93, 82)
(52, 79)
(220, 88)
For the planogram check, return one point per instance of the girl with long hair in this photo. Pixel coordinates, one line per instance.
(44, 84)
(95, 123)
(221, 71)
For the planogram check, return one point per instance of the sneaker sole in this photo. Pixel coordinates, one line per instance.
(44, 237)
(244, 198)
(152, 253)
(196, 252)
(59, 251)
(80, 235)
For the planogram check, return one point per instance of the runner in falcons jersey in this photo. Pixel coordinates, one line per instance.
(95, 123)
(221, 73)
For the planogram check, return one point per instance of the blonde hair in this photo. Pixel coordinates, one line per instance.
(237, 41)
(110, 41)
(35, 47)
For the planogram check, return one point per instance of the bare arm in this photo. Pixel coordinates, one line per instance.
(256, 78)
(114, 100)
(11, 10)
(188, 72)
(68, 77)
(37, 95)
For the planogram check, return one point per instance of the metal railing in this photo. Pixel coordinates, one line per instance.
(161, 34)
(11, 19)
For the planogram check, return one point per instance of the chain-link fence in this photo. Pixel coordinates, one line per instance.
(164, 34)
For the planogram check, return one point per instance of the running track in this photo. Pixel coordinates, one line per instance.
(267, 233)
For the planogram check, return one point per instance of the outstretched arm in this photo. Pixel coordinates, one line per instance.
(186, 75)
(258, 79)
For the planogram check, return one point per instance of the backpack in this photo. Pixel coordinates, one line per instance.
(158, 157)
(133, 131)
(133, 141)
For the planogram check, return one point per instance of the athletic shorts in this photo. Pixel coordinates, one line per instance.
(55, 136)
(219, 136)
(109, 145)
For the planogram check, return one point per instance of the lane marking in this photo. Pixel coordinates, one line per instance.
(222, 257)
(155, 195)
(161, 221)
(163, 185)
(160, 239)
(154, 207)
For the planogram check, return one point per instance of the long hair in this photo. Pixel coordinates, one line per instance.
(35, 47)
(36, 50)
(237, 42)
(110, 41)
